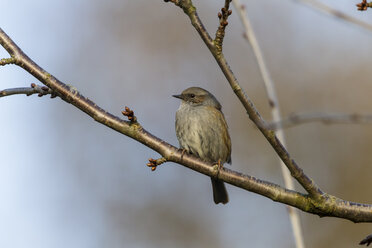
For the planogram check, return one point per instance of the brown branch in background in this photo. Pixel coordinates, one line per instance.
(307, 183)
(28, 91)
(327, 205)
(331, 11)
(364, 5)
(275, 113)
(296, 119)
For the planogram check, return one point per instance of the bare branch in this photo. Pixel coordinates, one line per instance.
(220, 33)
(326, 118)
(275, 112)
(28, 91)
(331, 11)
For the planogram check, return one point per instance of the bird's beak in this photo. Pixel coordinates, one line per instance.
(178, 96)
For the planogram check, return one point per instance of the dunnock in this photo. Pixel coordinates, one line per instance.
(201, 130)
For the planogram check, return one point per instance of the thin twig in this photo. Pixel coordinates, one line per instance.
(296, 119)
(336, 13)
(220, 33)
(7, 61)
(275, 112)
(28, 91)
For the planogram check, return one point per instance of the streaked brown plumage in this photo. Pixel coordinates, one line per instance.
(202, 130)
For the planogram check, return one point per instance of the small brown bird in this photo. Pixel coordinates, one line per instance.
(202, 130)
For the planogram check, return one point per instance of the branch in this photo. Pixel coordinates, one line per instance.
(275, 112)
(338, 14)
(253, 113)
(326, 205)
(303, 118)
(220, 34)
(34, 89)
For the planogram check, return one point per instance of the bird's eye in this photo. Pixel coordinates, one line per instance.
(192, 95)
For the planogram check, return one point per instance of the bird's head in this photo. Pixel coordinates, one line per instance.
(196, 96)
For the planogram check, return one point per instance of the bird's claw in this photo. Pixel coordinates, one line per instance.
(183, 151)
(218, 167)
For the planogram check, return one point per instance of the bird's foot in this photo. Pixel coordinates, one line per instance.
(218, 167)
(183, 153)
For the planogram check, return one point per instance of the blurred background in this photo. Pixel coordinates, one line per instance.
(67, 181)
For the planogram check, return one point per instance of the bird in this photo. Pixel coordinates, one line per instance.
(202, 130)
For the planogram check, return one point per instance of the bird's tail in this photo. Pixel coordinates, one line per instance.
(219, 192)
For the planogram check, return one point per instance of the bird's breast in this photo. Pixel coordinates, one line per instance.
(202, 131)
